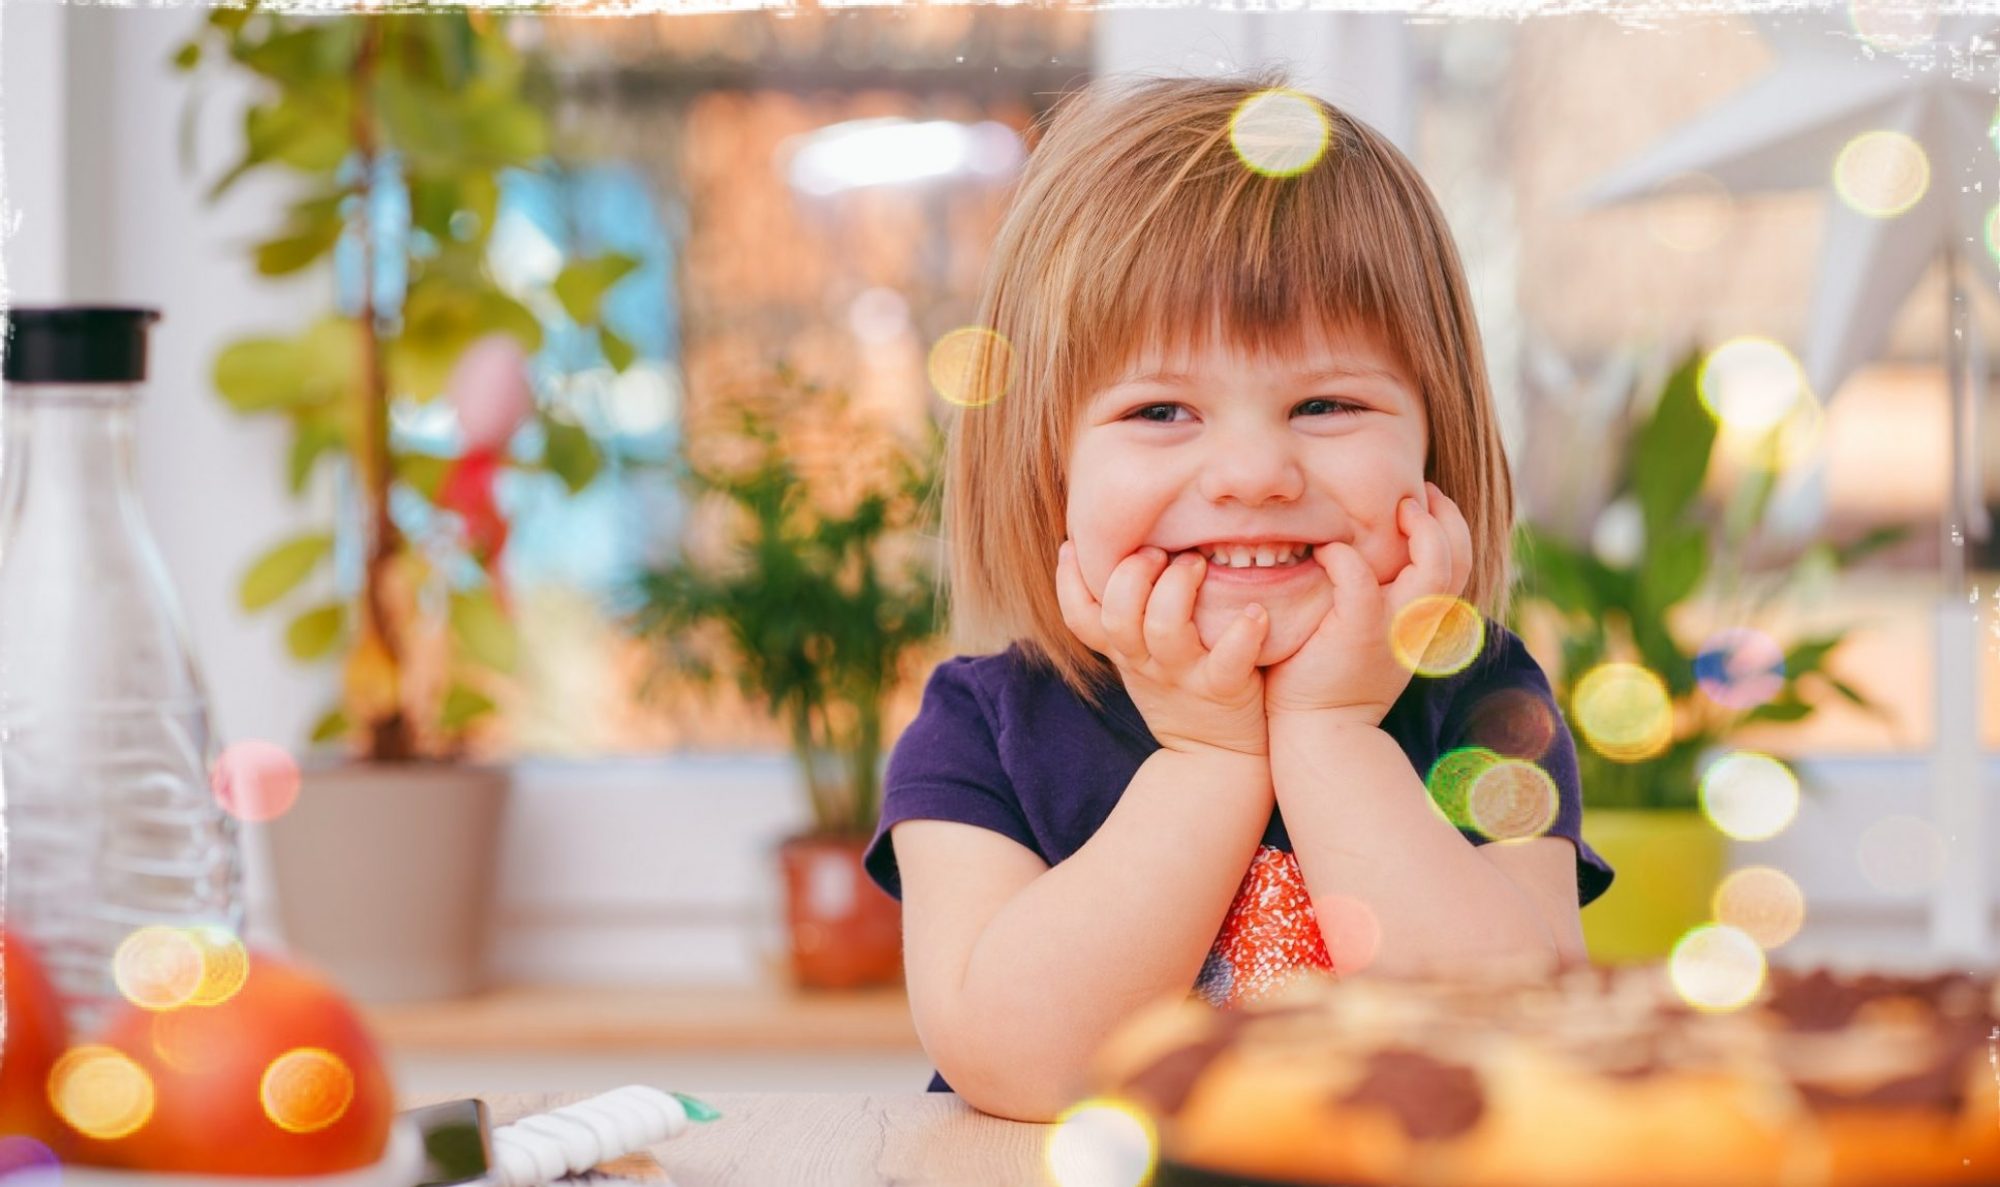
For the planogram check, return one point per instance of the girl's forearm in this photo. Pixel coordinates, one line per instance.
(1363, 828)
(1126, 919)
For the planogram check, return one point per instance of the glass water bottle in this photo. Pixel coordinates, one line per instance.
(104, 721)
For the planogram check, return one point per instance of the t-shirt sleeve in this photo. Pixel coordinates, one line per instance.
(945, 766)
(1507, 708)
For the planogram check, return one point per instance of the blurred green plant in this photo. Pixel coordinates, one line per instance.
(420, 114)
(1618, 609)
(811, 602)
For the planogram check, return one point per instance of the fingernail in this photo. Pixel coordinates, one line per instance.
(1153, 554)
(1254, 612)
(1190, 560)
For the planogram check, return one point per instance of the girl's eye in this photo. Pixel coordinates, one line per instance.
(1143, 412)
(1336, 407)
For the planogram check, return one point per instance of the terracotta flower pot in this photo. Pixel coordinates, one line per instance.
(1669, 864)
(385, 875)
(845, 931)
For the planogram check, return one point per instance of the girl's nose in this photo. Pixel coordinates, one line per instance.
(1251, 469)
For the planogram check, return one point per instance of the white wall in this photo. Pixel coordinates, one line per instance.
(1360, 62)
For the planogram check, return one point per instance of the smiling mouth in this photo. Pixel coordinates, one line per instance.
(1263, 556)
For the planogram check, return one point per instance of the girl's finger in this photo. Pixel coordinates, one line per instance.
(1080, 611)
(1234, 657)
(1458, 534)
(1169, 626)
(1430, 554)
(1353, 581)
(1126, 593)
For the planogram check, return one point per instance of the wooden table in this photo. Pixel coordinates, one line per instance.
(805, 1139)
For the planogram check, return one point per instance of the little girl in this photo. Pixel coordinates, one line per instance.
(1230, 421)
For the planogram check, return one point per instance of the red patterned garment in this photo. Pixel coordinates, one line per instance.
(1270, 934)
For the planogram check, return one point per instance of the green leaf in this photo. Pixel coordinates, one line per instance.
(1787, 708)
(498, 311)
(188, 56)
(312, 439)
(312, 634)
(309, 133)
(279, 570)
(510, 132)
(1674, 565)
(423, 473)
(298, 249)
(330, 727)
(617, 351)
(482, 628)
(1670, 452)
(1810, 655)
(570, 454)
(582, 284)
(262, 374)
(1874, 541)
(462, 705)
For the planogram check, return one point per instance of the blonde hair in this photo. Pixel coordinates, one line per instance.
(1136, 225)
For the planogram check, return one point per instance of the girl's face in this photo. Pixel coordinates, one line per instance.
(1219, 447)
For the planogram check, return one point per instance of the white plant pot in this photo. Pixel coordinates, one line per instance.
(384, 876)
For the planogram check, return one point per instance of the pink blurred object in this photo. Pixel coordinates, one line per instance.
(489, 391)
(255, 780)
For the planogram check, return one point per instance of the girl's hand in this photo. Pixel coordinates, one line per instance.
(1347, 667)
(1192, 699)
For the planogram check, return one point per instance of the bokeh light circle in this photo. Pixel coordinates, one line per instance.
(1762, 903)
(1623, 711)
(101, 1092)
(1279, 132)
(1751, 384)
(1437, 635)
(1901, 854)
(1740, 668)
(1716, 968)
(971, 367)
(1102, 1142)
(225, 964)
(1895, 26)
(1513, 722)
(1451, 778)
(255, 781)
(158, 967)
(1512, 800)
(306, 1089)
(1882, 174)
(1992, 225)
(1749, 796)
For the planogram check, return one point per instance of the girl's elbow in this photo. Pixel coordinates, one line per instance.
(1005, 1085)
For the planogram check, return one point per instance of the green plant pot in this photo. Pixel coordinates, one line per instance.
(1668, 865)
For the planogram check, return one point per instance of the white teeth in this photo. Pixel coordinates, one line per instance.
(1262, 556)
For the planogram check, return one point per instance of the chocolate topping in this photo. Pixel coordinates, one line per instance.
(1165, 1083)
(1429, 1098)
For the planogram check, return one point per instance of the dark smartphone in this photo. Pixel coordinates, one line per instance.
(457, 1141)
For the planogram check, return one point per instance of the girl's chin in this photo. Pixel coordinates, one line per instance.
(1289, 630)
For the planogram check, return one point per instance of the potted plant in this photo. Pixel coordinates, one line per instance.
(396, 131)
(811, 595)
(1634, 602)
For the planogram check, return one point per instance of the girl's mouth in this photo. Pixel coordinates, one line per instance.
(1292, 568)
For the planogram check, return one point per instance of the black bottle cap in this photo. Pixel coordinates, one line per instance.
(76, 344)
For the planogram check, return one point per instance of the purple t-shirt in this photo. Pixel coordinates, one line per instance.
(1001, 742)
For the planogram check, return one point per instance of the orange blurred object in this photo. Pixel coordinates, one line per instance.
(278, 1078)
(35, 1037)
